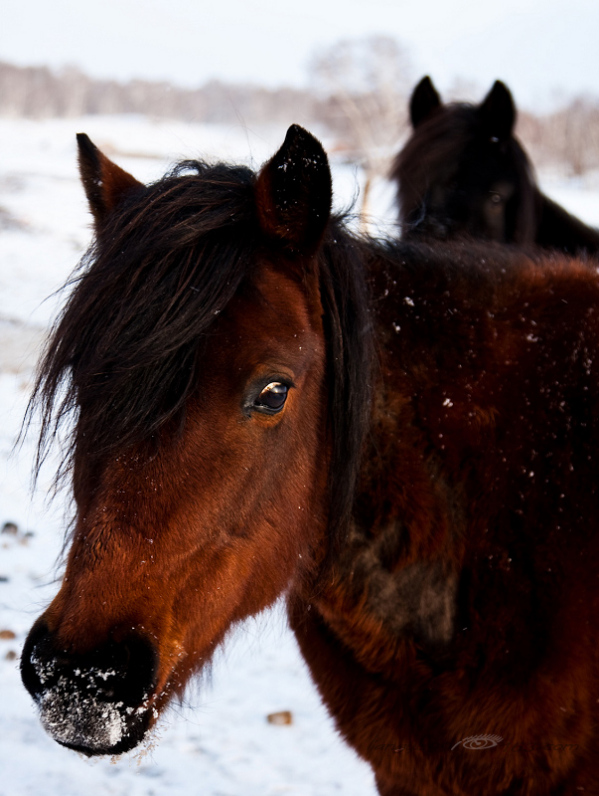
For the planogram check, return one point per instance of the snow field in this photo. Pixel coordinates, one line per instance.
(218, 743)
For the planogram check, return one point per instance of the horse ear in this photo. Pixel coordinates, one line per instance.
(294, 192)
(424, 100)
(105, 183)
(498, 111)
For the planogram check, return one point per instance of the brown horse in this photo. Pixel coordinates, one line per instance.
(462, 172)
(400, 439)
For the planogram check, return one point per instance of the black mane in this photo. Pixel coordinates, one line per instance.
(121, 360)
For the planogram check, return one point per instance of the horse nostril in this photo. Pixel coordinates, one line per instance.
(133, 665)
(91, 701)
(38, 667)
(123, 671)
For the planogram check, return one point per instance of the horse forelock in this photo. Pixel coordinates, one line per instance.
(436, 142)
(120, 360)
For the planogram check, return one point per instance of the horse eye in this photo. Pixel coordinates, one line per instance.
(496, 198)
(272, 398)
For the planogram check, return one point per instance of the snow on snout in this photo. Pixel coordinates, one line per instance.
(77, 719)
(72, 712)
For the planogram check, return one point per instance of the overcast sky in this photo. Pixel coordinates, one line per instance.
(539, 47)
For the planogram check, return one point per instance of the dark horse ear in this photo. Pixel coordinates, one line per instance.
(294, 192)
(105, 183)
(498, 112)
(424, 100)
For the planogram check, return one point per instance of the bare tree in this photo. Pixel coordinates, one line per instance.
(568, 136)
(363, 85)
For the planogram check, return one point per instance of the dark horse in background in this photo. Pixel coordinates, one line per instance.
(403, 440)
(462, 172)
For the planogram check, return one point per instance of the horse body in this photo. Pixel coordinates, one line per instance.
(400, 438)
(463, 173)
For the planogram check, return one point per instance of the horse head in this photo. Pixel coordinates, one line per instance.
(193, 354)
(462, 172)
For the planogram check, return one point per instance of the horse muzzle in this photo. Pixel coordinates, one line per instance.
(95, 702)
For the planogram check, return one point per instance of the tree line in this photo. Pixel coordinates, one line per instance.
(38, 92)
(358, 90)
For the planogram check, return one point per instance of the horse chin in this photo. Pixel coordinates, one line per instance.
(91, 726)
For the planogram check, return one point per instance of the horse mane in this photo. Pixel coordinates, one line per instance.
(121, 361)
(438, 144)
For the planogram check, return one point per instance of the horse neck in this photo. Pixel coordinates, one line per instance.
(556, 228)
(425, 301)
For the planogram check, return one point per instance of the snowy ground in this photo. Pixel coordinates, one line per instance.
(219, 744)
